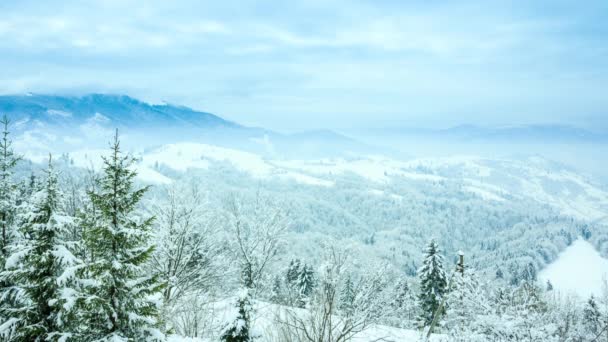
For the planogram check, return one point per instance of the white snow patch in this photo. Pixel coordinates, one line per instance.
(484, 194)
(149, 175)
(579, 269)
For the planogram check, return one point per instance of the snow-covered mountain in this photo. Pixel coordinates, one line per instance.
(498, 180)
(64, 123)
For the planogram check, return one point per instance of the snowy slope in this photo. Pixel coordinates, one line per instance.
(265, 323)
(490, 179)
(579, 269)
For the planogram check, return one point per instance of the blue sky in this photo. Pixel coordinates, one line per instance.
(292, 65)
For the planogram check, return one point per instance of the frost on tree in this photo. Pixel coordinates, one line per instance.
(238, 321)
(41, 269)
(433, 283)
(8, 204)
(122, 300)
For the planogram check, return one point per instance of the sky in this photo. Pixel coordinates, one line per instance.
(299, 65)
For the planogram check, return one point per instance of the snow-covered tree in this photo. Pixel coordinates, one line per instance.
(299, 281)
(433, 283)
(238, 322)
(188, 252)
(323, 319)
(8, 191)
(121, 300)
(347, 297)
(40, 269)
(255, 232)
(404, 305)
(592, 317)
(465, 303)
(8, 207)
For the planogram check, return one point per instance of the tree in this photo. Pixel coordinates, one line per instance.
(238, 327)
(323, 320)
(592, 317)
(465, 302)
(433, 283)
(41, 268)
(121, 301)
(187, 249)
(404, 305)
(255, 235)
(347, 297)
(8, 193)
(300, 281)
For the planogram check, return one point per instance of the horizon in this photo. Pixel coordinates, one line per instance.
(384, 130)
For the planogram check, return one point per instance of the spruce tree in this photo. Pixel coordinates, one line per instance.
(592, 316)
(8, 190)
(305, 284)
(8, 211)
(122, 301)
(238, 325)
(433, 283)
(40, 269)
(347, 297)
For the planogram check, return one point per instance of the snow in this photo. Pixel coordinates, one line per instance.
(184, 156)
(265, 314)
(579, 269)
(484, 194)
(149, 175)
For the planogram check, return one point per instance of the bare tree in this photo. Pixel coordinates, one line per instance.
(187, 251)
(255, 232)
(323, 320)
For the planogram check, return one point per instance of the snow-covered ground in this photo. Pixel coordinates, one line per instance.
(265, 324)
(490, 179)
(579, 269)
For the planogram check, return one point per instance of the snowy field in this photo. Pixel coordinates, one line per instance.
(579, 269)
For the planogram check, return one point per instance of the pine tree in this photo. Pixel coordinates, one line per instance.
(8, 200)
(40, 268)
(592, 316)
(238, 325)
(121, 302)
(433, 283)
(347, 297)
(465, 302)
(276, 295)
(293, 272)
(305, 284)
(8, 210)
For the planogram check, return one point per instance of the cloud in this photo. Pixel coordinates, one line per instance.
(319, 62)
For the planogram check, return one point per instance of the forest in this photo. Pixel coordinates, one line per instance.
(97, 255)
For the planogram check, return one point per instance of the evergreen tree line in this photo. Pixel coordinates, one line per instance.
(76, 277)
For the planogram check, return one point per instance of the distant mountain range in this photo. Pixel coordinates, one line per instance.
(512, 134)
(61, 121)
(120, 110)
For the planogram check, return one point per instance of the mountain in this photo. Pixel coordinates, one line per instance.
(471, 133)
(121, 110)
(524, 133)
(63, 123)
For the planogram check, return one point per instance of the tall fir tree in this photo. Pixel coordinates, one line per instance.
(122, 301)
(433, 283)
(238, 325)
(41, 268)
(347, 297)
(8, 189)
(8, 207)
(592, 317)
